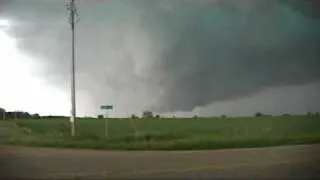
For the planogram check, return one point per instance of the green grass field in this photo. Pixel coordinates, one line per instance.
(167, 134)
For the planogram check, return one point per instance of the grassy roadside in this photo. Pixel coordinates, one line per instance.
(166, 134)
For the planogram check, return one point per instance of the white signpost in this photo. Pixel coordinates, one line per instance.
(106, 108)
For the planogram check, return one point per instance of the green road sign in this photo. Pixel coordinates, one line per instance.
(106, 107)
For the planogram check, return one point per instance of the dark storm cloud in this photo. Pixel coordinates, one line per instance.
(236, 48)
(173, 55)
(309, 8)
(3, 4)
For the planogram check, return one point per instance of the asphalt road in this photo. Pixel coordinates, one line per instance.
(285, 162)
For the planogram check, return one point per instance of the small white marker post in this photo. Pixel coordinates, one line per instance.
(106, 107)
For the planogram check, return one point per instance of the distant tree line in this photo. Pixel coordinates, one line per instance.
(310, 114)
(54, 117)
(7, 115)
(11, 115)
(313, 114)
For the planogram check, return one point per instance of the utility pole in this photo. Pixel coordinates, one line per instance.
(71, 7)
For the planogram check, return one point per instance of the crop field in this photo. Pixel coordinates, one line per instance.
(164, 134)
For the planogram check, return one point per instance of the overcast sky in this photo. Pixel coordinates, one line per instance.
(183, 57)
